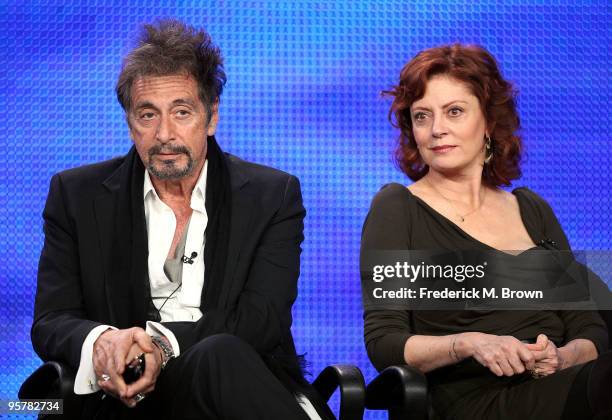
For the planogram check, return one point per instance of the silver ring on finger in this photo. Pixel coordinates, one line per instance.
(139, 397)
(105, 377)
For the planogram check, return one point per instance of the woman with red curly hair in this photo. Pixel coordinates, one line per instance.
(459, 143)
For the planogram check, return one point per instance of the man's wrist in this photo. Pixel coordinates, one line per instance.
(101, 334)
(164, 348)
(162, 356)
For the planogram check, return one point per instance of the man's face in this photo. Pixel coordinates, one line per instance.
(169, 125)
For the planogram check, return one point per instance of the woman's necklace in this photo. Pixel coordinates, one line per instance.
(461, 217)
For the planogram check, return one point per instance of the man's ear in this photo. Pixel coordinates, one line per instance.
(214, 119)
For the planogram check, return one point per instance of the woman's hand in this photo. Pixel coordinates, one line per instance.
(548, 358)
(503, 355)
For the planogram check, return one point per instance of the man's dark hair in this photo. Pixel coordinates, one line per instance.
(172, 47)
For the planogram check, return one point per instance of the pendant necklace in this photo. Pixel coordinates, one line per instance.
(461, 217)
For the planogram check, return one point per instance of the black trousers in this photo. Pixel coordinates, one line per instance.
(579, 392)
(220, 377)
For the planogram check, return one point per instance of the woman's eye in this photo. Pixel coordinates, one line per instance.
(455, 112)
(419, 116)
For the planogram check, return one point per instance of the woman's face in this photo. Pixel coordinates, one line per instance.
(449, 126)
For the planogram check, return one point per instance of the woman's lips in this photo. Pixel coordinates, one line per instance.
(442, 149)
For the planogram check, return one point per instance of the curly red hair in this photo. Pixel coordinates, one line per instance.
(478, 69)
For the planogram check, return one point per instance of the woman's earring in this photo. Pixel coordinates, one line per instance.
(489, 149)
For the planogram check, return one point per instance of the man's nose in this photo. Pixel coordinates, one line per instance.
(165, 132)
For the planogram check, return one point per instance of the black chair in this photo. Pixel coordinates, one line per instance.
(402, 391)
(55, 380)
(352, 389)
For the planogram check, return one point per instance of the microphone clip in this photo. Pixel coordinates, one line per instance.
(189, 260)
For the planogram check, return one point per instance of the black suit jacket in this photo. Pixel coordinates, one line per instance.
(87, 275)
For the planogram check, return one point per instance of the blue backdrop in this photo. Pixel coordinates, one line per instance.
(302, 95)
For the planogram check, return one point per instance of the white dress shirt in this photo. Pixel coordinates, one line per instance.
(184, 305)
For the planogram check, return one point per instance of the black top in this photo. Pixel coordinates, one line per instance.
(399, 220)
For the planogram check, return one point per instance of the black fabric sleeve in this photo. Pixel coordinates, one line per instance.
(387, 227)
(585, 324)
(578, 324)
(60, 320)
(385, 334)
(262, 314)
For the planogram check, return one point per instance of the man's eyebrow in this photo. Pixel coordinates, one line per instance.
(443, 106)
(145, 104)
(179, 101)
(182, 101)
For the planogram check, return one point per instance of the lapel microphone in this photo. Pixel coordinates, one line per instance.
(189, 260)
(548, 244)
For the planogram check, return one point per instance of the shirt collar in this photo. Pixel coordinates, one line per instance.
(198, 195)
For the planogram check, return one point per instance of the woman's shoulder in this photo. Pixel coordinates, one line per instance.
(527, 192)
(392, 195)
(533, 200)
(393, 202)
(541, 214)
(389, 219)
